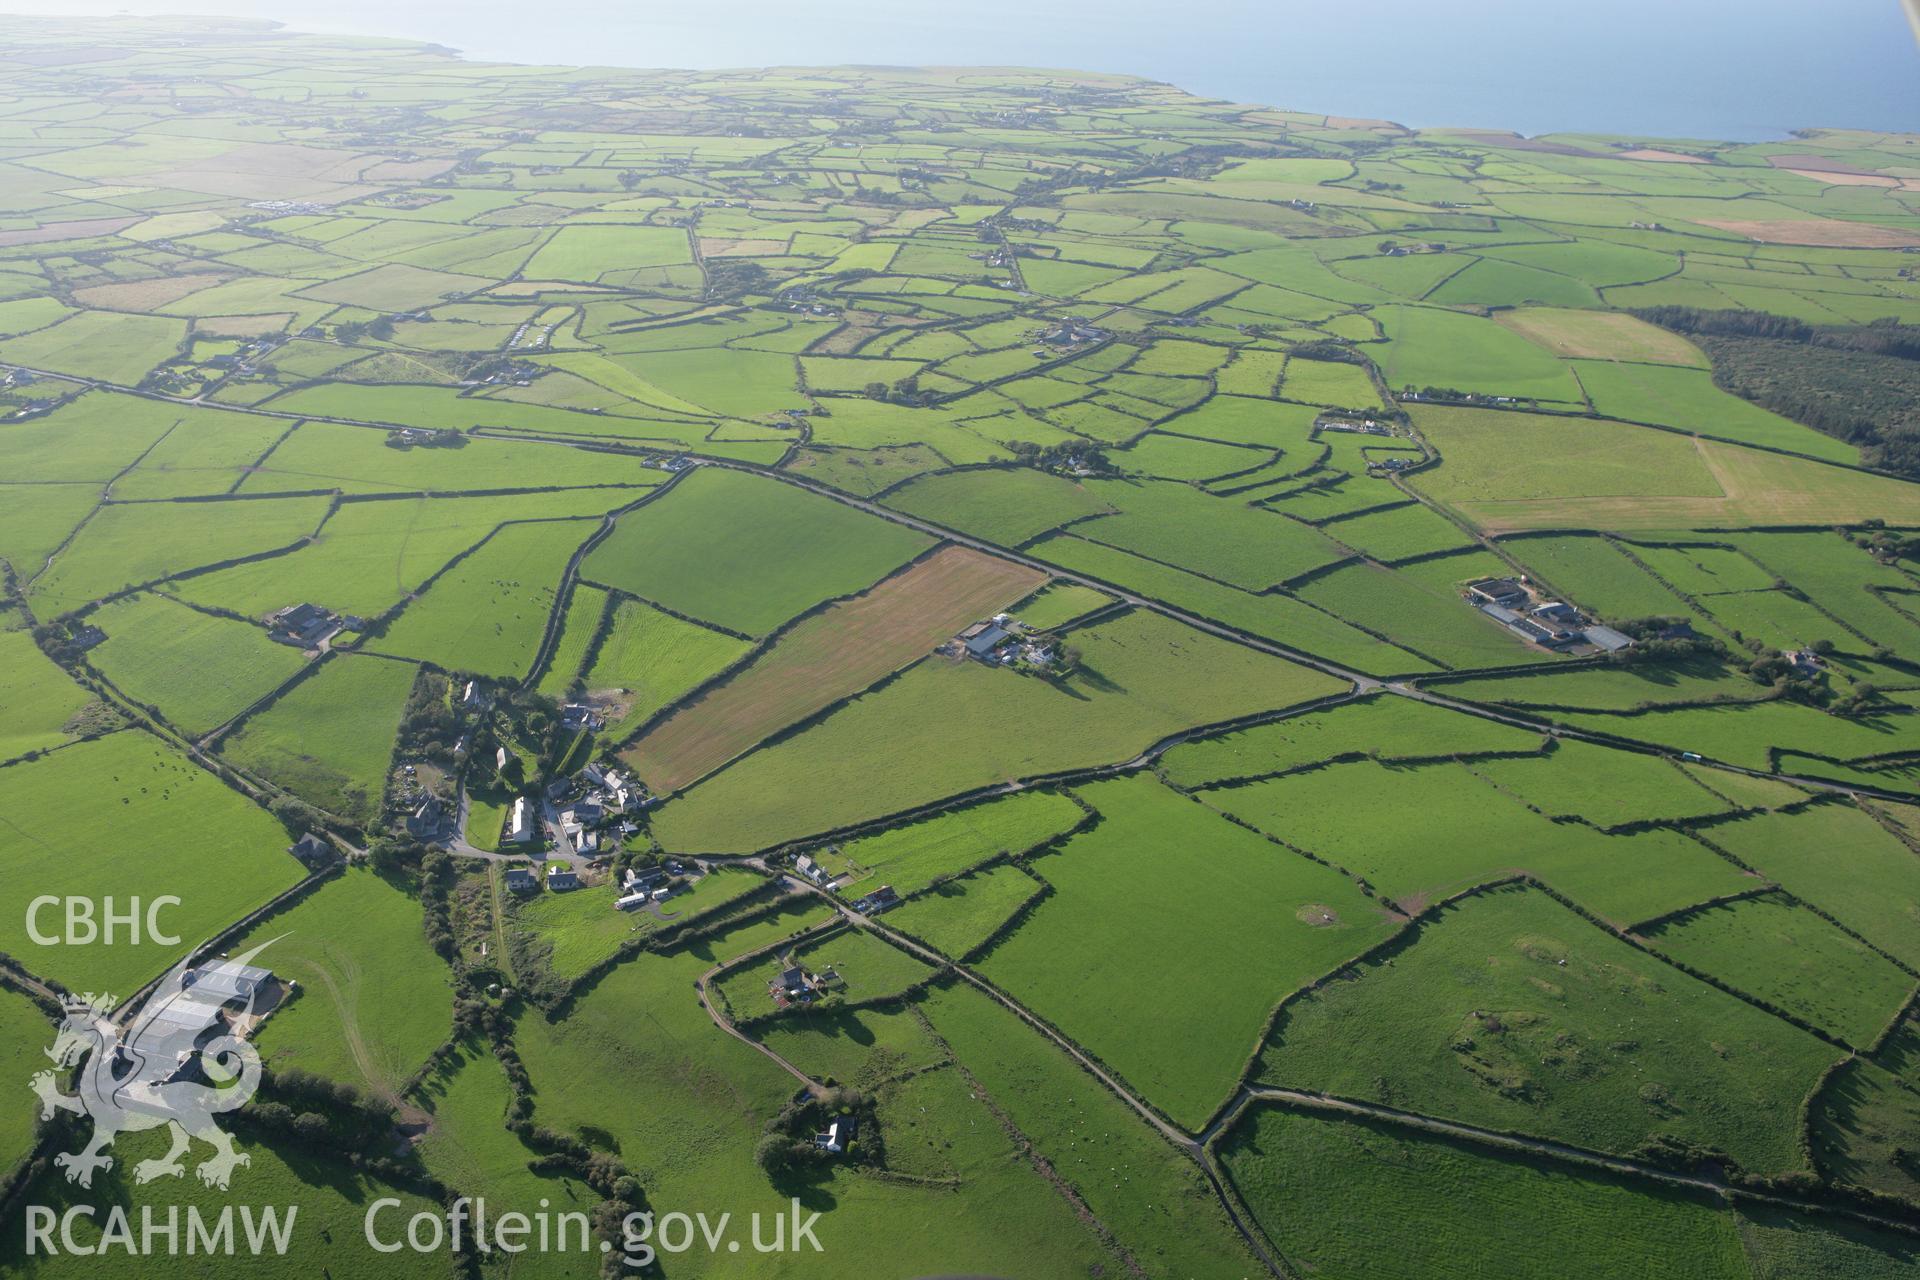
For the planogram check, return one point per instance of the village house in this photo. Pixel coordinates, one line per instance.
(519, 880)
(427, 819)
(520, 822)
(837, 1136)
(311, 850)
(813, 871)
(577, 717)
(879, 900)
(561, 877)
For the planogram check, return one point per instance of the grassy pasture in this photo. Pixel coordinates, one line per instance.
(1688, 399)
(694, 1101)
(650, 658)
(572, 932)
(1326, 1191)
(327, 1235)
(1243, 546)
(369, 556)
(692, 552)
(1153, 1198)
(1381, 726)
(1608, 788)
(1279, 618)
(832, 655)
(129, 544)
(1786, 955)
(1842, 861)
(1419, 833)
(487, 613)
(1060, 603)
(1479, 1020)
(1253, 922)
(330, 738)
(199, 669)
(959, 915)
(40, 698)
(71, 811)
(25, 1030)
(912, 856)
(586, 604)
(1141, 677)
(110, 346)
(1007, 506)
(1602, 335)
(374, 999)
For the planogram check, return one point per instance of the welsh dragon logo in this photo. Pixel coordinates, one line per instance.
(180, 1064)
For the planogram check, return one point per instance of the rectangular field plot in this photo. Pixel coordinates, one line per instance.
(329, 738)
(1004, 506)
(375, 999)
(201, 670)
(567, 934)
(649, 658)
(745, 552)
(1417, 834)
(1843, 862)
(911, 857)
(41, 700)
(1510, 1011)
(1607, 788)
(71, 815)
(959, 915)
(1271, 921)
(829, 656)
(1279, 618)
(1141, 677)
(1381, 726)
(1327, 1190)
(1782, 953)
(127, 544)
(487, 613)
(1151, 1196)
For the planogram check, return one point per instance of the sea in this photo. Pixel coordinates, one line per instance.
(1740, 70)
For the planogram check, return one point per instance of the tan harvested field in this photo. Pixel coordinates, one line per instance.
(830, 656)
(146, 295)
(1847, 179)
(1757, 488)
(1601, 335)
(1658, 156)
(80, 229)
(1828, 233)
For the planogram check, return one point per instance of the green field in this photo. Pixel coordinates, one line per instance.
(690, 553)
(1512, 1012)
(486, 614)
(1141, 677)
(329, 739)
(373, 999)
(71, 812)
(1254, 921)
(1326, 1192)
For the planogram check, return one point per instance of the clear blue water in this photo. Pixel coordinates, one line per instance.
(1736, 69)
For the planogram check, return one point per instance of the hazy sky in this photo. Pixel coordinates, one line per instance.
(1717, 68)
